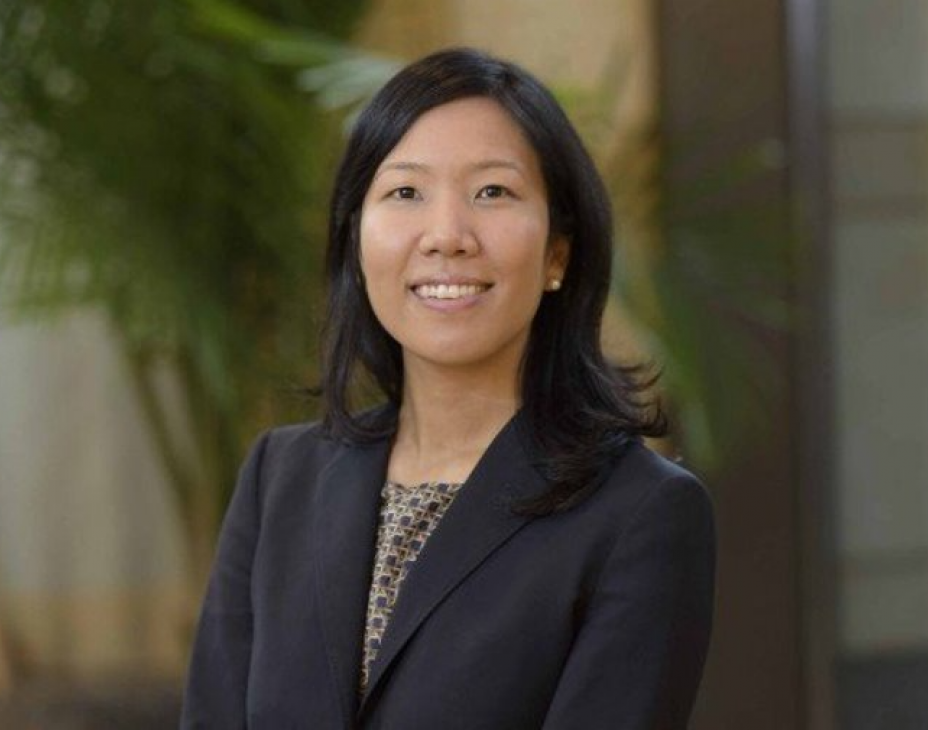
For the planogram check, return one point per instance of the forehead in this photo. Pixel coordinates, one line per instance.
(465, 130)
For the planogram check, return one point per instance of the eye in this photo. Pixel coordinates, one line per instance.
(404, 193)
(493, 191)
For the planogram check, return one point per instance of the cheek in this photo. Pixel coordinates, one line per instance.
(383, 264)
(524, 249)
(379, 253)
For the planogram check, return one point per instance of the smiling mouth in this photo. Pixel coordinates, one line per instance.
(449, 291)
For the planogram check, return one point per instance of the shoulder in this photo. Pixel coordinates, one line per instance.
(304, 447)
(639, 463)
(642, 484)
(285, 441)
(284, 438)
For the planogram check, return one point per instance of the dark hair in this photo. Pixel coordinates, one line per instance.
(578, 410)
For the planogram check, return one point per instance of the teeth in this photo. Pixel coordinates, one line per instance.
(449, 291)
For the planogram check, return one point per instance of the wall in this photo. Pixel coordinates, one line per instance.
(91, 570)
(878, 129)
(879, 133)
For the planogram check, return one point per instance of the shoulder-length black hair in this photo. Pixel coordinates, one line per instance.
(577, 410)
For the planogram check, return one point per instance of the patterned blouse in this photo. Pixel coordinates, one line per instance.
(408, 515)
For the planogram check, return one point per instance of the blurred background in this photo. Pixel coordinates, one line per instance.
(164, 173)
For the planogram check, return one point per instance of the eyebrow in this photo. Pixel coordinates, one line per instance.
(422, 167)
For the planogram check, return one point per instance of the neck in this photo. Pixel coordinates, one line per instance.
(447, 420)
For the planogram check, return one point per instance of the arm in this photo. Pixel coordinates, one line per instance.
(218, 676)
(638, 657)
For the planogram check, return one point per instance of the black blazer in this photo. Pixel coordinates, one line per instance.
(591, 619)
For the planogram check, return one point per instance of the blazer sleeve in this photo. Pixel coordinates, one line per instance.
(217, 679)
(638, 656)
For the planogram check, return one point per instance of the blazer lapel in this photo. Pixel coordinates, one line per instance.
(345, 528)
(476, 524)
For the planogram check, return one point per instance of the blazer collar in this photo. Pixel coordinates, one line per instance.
(345, 523)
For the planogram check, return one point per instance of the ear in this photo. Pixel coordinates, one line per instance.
(558, 257)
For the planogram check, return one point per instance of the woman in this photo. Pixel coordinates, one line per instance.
(494, 547)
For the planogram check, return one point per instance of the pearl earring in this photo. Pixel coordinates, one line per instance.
(555, 284)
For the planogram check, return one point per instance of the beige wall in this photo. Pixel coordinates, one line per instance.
(91, 575)
(879, 132)
(584, 44)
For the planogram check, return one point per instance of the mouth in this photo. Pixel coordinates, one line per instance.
(449, 291)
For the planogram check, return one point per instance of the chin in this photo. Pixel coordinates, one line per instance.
(445, 358)
(462, 355)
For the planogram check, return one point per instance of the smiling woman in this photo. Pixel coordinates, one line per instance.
(455, 245)
(494, 547)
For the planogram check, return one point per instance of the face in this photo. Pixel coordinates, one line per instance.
(455, 242)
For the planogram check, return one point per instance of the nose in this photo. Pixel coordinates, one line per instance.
(448, 230)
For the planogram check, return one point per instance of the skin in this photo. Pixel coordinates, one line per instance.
(460, 200)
